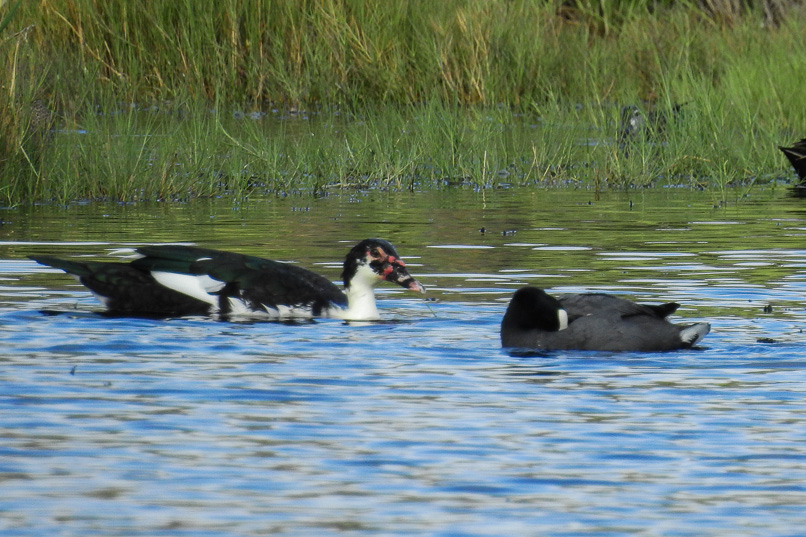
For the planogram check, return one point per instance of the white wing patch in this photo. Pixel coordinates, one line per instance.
(239, 307)
(198, 287)
(291, 312)
(203, 286)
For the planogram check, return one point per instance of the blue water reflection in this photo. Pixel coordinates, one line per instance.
(420, 425)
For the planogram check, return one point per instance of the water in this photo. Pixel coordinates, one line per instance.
(420, 425)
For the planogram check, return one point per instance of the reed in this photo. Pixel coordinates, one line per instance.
(416, 94)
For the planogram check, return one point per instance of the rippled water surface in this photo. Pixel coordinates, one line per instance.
(420, 425)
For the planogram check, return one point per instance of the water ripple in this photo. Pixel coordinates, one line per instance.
(421, 425)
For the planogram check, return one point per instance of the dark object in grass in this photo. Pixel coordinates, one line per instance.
(638, 124)
(797, 157)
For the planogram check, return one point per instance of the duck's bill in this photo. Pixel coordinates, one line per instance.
(414, 285)
(397, 272)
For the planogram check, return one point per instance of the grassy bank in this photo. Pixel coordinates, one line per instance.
(397, 94)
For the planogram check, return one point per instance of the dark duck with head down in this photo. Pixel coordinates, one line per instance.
(171, 280)
(593, 322)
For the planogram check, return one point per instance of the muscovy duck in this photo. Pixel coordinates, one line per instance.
(170, 280)
(593, 322)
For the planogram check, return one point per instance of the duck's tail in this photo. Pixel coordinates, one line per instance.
(76, 268)
(692, 334)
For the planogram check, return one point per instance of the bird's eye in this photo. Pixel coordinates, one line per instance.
(374, 252)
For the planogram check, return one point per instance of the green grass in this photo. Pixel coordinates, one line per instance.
(402, 95)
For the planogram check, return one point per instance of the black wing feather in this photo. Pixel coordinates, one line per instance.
(128, 290)
(260, 282)
(585, 304)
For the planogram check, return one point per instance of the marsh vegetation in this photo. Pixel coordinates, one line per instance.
(177, 100)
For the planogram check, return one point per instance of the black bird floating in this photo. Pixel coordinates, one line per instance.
(593, 322)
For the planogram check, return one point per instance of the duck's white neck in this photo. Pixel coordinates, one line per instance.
(360, 305)
(361, 296)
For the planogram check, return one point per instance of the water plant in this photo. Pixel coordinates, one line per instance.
(187, 99)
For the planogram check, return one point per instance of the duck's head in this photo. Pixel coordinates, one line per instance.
(374, 260)
(534, 309)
